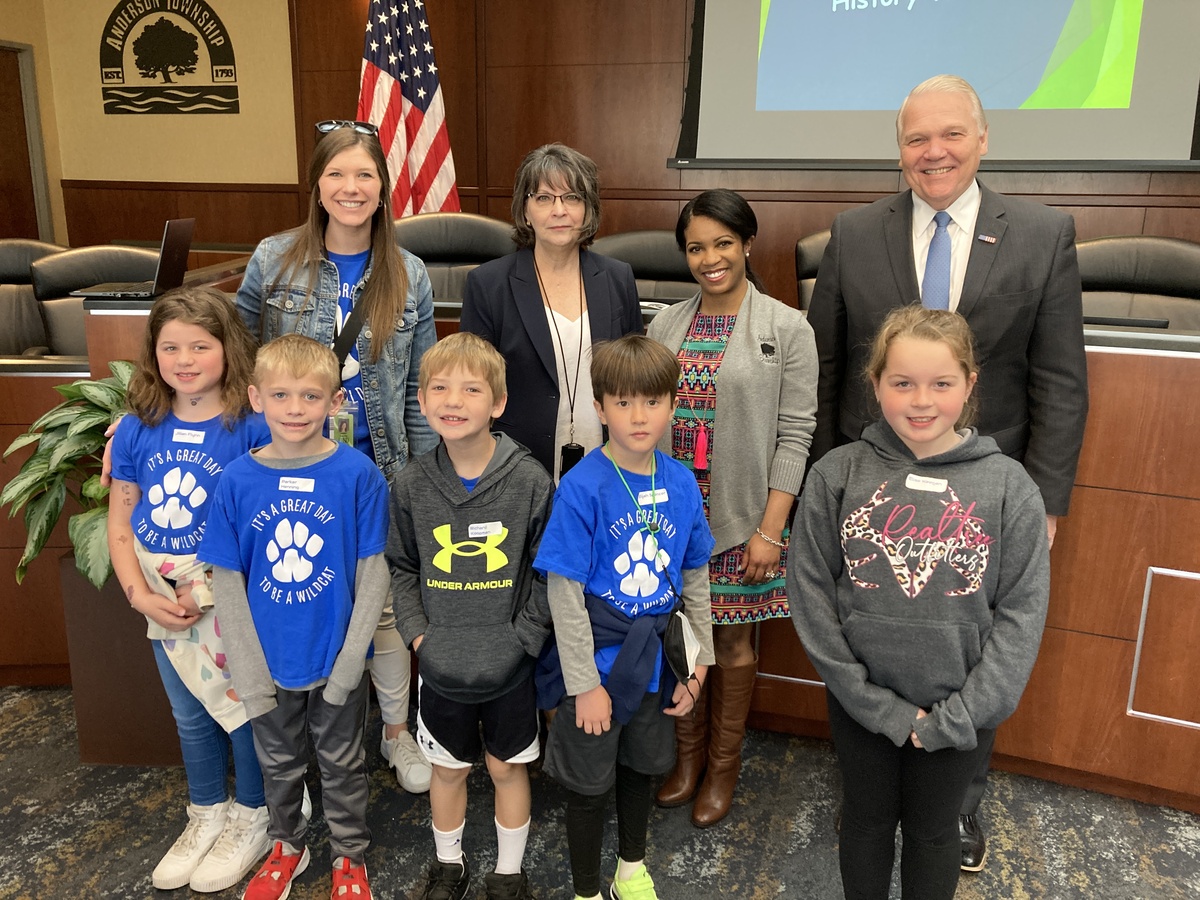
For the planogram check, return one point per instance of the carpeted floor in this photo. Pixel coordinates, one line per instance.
(82, 832)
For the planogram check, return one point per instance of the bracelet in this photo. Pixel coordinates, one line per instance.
(771, 541)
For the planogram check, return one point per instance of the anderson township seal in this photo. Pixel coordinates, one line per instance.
(167, 56)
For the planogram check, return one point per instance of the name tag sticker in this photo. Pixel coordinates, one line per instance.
(925, 483)
(299, 485)
(658, 496)
(187, 436)
(483, 529)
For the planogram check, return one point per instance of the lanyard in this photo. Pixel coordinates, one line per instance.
(650, 526)
(572, 387)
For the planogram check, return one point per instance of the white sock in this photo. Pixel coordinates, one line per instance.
(449, 844)
(511, 848)
(626, 870)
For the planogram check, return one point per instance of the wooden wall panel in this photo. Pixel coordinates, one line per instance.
(1182, 184)
(1170, 667)
(103, 212)
(1101, 555)
(618, 215)
(1180, 222)
(1141, 393)
(780, 225)
(588, 108)
(871, 184)
(34, 634)
(778, 642)
(615, 33)
(1073, 716)
(1099, 221)
(1088, 183)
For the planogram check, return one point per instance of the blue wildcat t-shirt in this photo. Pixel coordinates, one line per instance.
(297, 536)
(176, 466)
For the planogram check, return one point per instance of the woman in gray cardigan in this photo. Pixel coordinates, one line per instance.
(747, 406)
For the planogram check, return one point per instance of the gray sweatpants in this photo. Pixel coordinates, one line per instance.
(281, 739)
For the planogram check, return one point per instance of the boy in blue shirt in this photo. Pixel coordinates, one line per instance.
(296, 534)
(466, 521)
(626, 541)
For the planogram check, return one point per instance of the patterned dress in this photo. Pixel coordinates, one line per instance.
(700, 358)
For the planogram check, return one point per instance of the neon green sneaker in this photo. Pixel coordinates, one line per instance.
(639, 887)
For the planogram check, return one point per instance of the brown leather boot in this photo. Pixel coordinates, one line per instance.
(691, 754)
(729, 704)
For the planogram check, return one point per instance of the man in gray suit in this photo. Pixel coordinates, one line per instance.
(1014, 277)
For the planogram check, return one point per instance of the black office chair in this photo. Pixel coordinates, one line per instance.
(1141, 277)
(659, 266)
(23, 327)
(451, 244)
(809, 251)
(56, 275)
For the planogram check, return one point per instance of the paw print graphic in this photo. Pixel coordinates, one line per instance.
(175, 498)
(291, 551)
(640, 564)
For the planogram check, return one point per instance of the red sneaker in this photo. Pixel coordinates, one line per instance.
(350, 881)
(274, 880)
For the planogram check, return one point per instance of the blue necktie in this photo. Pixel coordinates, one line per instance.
(935, 289)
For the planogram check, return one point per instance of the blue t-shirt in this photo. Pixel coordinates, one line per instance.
(595, 536)
(351, 268)
(297, 536)
(176, 465)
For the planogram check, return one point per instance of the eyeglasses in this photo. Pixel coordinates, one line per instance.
(334, 124)
(546, 200)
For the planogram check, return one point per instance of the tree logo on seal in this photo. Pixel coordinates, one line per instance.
(167, 57)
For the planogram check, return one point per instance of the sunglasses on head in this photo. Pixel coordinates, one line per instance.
(334, 124)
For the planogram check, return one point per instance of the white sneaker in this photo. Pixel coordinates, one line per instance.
(204, 826)
(413, 770)
(306, 806)
(242, 843)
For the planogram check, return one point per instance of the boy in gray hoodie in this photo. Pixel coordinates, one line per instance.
(919, 589)
(466, 521)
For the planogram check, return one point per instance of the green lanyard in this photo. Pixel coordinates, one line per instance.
(650, 527)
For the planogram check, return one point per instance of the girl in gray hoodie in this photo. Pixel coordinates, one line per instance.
(918, 587)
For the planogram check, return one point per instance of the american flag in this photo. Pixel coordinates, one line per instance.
(400, 93)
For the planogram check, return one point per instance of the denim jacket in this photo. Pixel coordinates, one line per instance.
(398, 430)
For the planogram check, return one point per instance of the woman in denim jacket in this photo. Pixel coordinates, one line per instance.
(307, 281)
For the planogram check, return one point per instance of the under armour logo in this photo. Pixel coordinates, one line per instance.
(489, 548)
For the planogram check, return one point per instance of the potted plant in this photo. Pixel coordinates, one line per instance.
(70, 442)
(121, 713)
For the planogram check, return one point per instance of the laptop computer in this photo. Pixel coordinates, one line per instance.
(172, 266)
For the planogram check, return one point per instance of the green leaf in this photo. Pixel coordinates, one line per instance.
(89, 536)
(92, 489)
(28, 482)
(89, 418)
(74, 450)
(70, 391)
(106, 396)
(63, 414)
(24, 440)
(122, 370)
(40, 518)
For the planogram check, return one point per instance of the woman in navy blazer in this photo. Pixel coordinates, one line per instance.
(545, 305)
